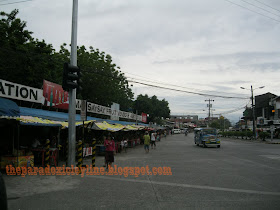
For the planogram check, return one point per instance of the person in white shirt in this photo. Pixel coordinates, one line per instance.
(153, 140)
(122, 145)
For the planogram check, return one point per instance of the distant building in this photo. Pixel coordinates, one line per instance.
(262, 105)
(184, 117)
(267, 112)
(181, 121)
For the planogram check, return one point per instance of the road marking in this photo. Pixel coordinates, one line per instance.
(189, 186)
(275, 157)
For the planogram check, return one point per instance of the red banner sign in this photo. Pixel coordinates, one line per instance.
(144, 117)
(55, 96)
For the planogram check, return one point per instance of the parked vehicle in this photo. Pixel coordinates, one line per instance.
(206, 137)
(176, 131)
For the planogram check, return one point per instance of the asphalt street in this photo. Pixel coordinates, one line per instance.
(239, 175)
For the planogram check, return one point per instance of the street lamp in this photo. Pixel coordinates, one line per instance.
(253, 108)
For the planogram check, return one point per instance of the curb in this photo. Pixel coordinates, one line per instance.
(245, 140)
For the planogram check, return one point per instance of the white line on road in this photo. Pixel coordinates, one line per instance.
(189, 186)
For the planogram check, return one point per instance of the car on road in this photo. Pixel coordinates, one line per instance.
(206, 137)
(176, 131)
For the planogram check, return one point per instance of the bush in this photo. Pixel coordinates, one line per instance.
(242, 134)
(263, 135)
(249, 134)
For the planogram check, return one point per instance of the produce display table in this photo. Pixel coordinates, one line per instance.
(23, 161)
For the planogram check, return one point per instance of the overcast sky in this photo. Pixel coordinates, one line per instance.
(206, 46)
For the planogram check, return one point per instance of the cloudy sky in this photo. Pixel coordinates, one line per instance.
(202, 46)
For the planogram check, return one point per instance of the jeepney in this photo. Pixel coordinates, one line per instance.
(206, 137)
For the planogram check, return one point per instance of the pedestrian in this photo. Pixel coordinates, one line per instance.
(122, 144)
(153, 140)
(109, 152)
(158, 136)
(147, 140)
(125, 144)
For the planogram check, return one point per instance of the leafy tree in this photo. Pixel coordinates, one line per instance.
(28, 61)
(157, 109)
(23, 59)
(103, 82)
(221, 123)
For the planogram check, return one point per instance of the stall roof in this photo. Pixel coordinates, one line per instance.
(61, 116)
(8, 108)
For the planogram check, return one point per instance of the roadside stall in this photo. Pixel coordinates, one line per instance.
(10, 151)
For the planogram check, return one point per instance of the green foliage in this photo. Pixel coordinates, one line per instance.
(242, 134)
(249, 134)
(221, 123)
(23, 59)
(248, 113)
(27, 61)
(157, 109)
(264, 135)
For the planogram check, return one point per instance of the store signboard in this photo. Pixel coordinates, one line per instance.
(20, 92)
(98, 109)
(115, 108)
(54, 95)
(144, 117)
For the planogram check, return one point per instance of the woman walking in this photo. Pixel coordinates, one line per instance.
(110, 149)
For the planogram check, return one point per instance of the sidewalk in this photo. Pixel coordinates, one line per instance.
(274, 141)
(267, 140)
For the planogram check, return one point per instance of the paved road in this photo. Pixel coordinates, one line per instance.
(239, 175)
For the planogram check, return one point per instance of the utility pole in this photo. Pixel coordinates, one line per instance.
(72, 92)
(209, 107)
(253, 109)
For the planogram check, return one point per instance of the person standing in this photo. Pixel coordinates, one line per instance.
(153, 140)
(147, 140)
(158, 136)
(122, 145)
(109, 152)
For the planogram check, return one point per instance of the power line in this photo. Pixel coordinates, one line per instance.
(163, 83)
(267, 5)
(260, 8)
(253, 11)
(184, 91)
(167, 88)
(236, 109)
(15, 2)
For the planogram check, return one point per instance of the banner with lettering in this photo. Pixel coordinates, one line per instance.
(54, 95)
(20, 92)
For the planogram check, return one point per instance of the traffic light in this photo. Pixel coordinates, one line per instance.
(71, 77)
(271, 111)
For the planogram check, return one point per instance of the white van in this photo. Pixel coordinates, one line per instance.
(176, 131)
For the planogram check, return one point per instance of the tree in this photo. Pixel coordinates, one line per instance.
(221, 123)
(157, 109)
(23, 59)
(27, 61)
(102, 81)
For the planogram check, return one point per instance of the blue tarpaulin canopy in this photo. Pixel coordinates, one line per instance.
(61, 116)
(8, 108)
